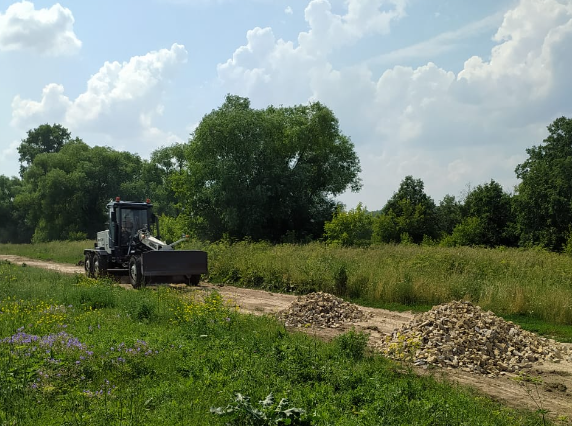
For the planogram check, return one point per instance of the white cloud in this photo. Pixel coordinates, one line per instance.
(448, 129)
(46, 31)
(329, 31)
(288, 10)
(120, 103)
(9, 156)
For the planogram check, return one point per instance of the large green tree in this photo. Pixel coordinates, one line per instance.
(263, 173)
(64, 193)
(43, 139)
(544, 195)
(410, 214)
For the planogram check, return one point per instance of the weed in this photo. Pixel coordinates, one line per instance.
(353, 344)
(267, 413)
(531, 386)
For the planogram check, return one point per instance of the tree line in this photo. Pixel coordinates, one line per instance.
(259, 173)
(273, 174)
(537, 214)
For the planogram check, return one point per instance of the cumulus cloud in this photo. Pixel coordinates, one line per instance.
(527, 63)
(120, 102)
(329, 31)
(46, 31)
(448, 128)
(288, 10)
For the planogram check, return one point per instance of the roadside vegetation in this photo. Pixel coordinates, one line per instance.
(530, 287)
(58, 251)
(79, 351)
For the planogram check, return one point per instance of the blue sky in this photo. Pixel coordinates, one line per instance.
(451, 92)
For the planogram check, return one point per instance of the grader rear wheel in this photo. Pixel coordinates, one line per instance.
(99, 266)
(88, 265)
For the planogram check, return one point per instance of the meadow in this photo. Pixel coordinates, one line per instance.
(530, 287)
(77, 351)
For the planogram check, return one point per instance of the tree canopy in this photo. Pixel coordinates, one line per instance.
(409, 214)
(544, 196)
(43, 139)
(264, 173)
(273, 174)
(493, 207)
(64, 193)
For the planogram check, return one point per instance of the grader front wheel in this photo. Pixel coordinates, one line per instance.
(136, 276)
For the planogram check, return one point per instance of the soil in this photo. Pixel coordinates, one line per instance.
(551, 390)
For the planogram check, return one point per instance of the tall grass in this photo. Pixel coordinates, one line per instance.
(59, 251)
(508, 281)
(79, 351)
(530, 283)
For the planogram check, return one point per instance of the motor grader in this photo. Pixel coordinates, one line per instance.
(132, 245)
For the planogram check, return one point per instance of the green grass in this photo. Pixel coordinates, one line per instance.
(58, 251)
(528, 285)
(75, 351)
(561, 333)
(524, 283)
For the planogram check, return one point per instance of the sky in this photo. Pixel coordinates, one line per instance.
(451, 92)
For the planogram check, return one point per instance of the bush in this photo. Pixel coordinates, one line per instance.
(353, 344)
(353, 228)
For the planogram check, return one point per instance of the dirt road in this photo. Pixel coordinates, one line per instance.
(553, 393)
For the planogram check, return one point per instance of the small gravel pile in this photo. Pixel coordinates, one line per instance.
(320, 310)
(462, 335)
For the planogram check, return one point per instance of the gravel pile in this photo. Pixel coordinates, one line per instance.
(320, 310)
(462, 335)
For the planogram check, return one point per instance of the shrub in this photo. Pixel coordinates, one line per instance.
(353, 344)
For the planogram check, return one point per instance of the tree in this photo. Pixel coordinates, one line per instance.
(469, 232)
(352, 228)
(12, 226)
(448, 214)
(166, 166)
(544, 195)
(409, 214)
(64, 193)
(43, 139)
(493, 207)
(265, 173)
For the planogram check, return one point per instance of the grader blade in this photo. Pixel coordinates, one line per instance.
(174, 262)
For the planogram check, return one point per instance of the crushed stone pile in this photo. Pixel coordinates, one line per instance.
(462, 335)
(320, 310)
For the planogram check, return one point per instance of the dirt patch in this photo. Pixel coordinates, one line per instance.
(548, 385)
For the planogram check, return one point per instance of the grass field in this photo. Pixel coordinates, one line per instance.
(531, 287)
(57, 251)
(75, 351)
